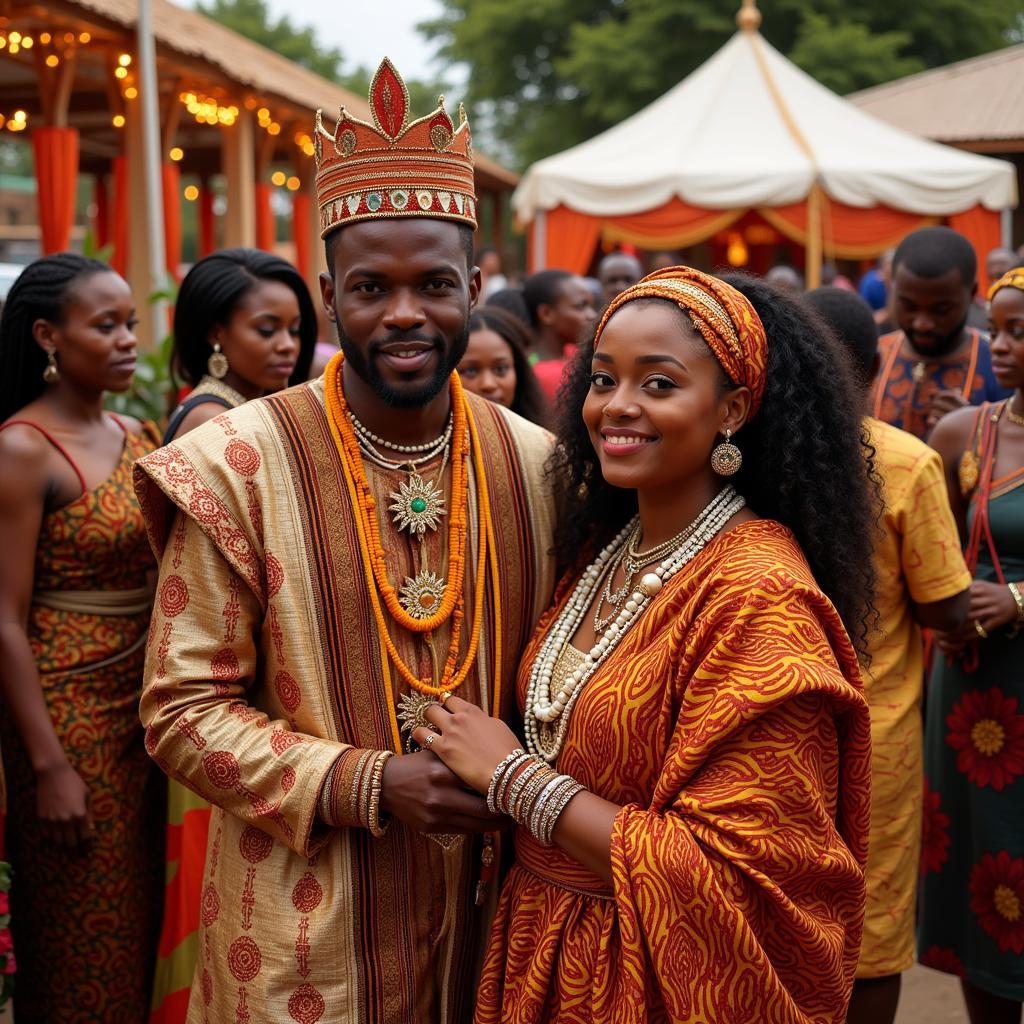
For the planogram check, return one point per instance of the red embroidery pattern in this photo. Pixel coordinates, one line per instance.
(242, 457)
(248, 897)
(179, 543)
(997, 897)
(254, 844)
(276, 635)
(187, 728)
(232, 610)
(280, 741)
(211, 905)
(989, 734)
(204, 506)
(934, 833)
(244, 959)
(221, 769)
(288, 692)
(307, 894)
(302, 948)
(242, 1011)
(163, 650)
(173, 596)
(287, 780)
(224, 665)
(306, 1005)
(207, 983)
(275, 576)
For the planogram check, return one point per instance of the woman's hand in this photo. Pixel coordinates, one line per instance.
(62, 802)
(992, 605)
(469, 741)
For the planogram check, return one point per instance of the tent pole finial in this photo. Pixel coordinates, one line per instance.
(749, 17)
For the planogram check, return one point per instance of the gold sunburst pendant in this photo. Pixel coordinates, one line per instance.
(417, 505)
(421, 594)
(411, 712)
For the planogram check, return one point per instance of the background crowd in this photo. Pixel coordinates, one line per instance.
(941, 372)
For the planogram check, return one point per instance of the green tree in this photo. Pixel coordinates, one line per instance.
(546, 74)
(251, 18)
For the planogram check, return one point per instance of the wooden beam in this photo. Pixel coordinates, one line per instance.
(238, 151)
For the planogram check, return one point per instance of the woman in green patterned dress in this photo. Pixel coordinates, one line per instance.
(972, 864)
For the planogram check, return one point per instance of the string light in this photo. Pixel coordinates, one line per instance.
(18, 121)
(121, 72)
(176, 153)
(84, 38)
(191, 193)
(117, 120)
(124, 59)
(44, 38)
(278, 178)
(293, 183)
(207, 110)
(131, 92)
(52, 60)
(26, 42)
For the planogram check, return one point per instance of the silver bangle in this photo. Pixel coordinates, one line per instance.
(503, 766)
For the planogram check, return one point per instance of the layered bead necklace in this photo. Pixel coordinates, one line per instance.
(547, 717)
(465, 445)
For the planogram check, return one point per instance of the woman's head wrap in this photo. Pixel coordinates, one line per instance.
(724, 317)
(1013, 278)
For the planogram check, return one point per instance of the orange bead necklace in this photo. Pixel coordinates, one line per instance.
(372, 550)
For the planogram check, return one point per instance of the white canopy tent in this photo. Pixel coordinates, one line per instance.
(750, 130)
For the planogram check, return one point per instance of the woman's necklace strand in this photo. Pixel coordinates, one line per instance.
(546, 719)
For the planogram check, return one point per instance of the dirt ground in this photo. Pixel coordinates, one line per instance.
(929, 997)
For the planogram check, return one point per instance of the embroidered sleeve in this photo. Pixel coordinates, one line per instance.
(200, 705)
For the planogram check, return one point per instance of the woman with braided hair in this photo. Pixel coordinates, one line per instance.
(692, 788)
(85, 802)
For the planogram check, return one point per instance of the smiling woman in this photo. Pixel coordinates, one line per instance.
(692, 699)
(83, 830)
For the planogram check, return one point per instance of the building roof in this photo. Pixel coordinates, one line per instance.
(189, 35)
(973, 100)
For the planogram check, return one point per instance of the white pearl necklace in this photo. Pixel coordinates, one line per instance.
(406, 449)
(547, 719)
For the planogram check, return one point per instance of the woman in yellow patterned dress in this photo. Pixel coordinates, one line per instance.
(693, 798)
(85, 803)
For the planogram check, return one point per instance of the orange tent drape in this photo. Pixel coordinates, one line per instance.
(264, 217)
(171, 175)
(984, 231)
(101, 221)
(571, 239)
(207, 240)
(850, 232)
(56, 163)
(119, 216)
(301, 223)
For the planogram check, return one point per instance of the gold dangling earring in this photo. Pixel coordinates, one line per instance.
(217, 364)
(726, 458)
(52, 372)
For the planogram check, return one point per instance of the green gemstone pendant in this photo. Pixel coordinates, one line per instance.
(417, 505)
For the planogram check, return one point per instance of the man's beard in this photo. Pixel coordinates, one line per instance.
(404, 398)
(939, 344)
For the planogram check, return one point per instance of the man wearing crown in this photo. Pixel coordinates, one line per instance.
(334, 558)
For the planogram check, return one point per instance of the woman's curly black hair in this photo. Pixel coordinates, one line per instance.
(807, 462)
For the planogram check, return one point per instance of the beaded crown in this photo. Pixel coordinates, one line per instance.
(394, 167)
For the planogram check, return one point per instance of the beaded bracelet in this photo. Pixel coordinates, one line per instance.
(1018, 599)
(512, 807)
(374, 822)
(505, 765)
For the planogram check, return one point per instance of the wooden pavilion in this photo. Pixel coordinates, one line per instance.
(227, 107)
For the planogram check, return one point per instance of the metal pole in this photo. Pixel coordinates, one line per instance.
(150, 110)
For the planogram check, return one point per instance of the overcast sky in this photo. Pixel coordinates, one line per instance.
(366, 30)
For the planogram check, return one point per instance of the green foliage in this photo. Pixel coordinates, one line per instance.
(152, 386)
(93, 250)
(251, 18)
(546, 74)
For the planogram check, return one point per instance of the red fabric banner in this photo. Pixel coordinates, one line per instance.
(56, 162)
(301, 216)
(264, 217)
(119, 216)
(207, 235)
(171, 175)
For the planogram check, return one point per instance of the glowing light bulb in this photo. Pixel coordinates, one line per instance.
(44, 38)
(117, 120)
(52, 60)
(278, 178)
(191, 193)
(176, 153)
(120, 72)
(124, 59)
(84, 38)
(131, 92)
(293, 183)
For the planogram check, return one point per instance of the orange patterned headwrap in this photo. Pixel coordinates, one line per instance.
(724, 317)
(1011, 279)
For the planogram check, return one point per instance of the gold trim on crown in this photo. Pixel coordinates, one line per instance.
(394, 168)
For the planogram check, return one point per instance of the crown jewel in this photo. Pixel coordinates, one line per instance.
(394, 167)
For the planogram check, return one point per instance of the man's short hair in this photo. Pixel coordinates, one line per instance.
(850, 318)
(935, 251)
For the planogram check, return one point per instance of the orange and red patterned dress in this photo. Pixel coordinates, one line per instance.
(731, 726)
(86, 920)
